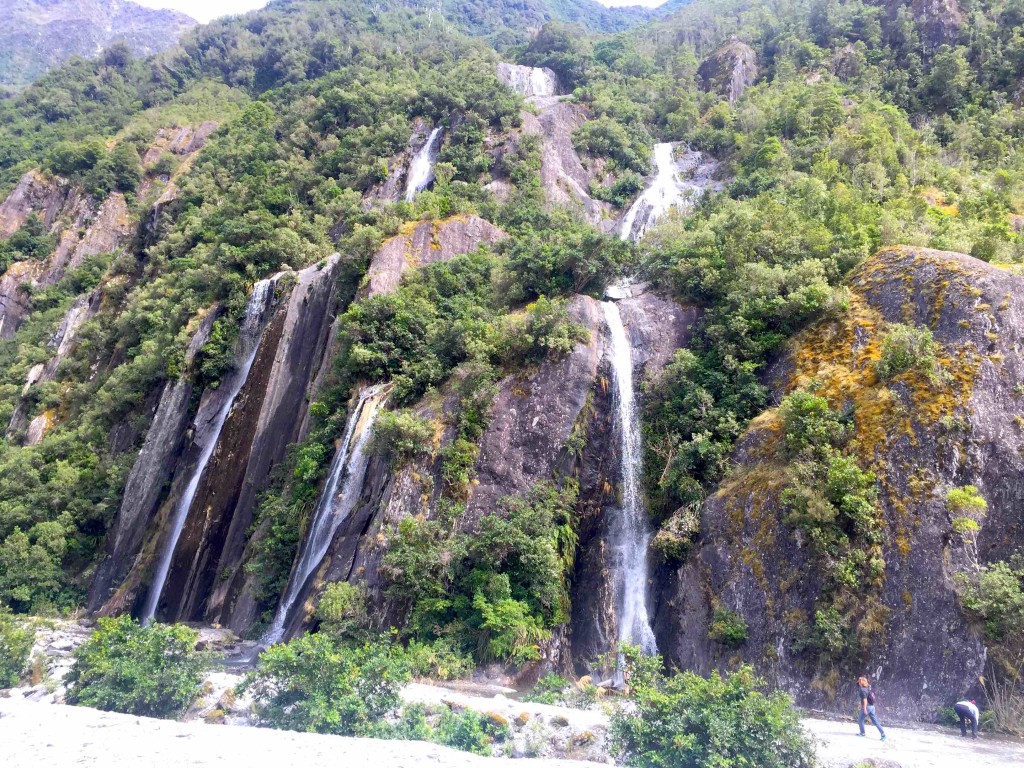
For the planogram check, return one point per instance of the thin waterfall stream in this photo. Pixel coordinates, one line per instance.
(334, 506)
(421, 169)
(629, 531)
(676, 184)
(249, 336)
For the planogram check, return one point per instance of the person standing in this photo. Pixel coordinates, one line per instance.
(967, 710)
(867, 707)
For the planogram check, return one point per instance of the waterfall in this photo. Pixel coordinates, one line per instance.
(668, 189)
(630, 534)
(529, 81)
(333, 507)
(421, 169)
(249, 336)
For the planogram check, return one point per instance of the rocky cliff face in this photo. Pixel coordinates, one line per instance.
(205, 580)
(422, 243)
(729, 70)
(921, 438)
(41, 34)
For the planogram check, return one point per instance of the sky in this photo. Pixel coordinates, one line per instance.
(205, 10)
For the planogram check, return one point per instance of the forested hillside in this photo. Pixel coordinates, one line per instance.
(350, 299)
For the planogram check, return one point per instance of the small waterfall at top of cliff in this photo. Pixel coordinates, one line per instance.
(529, 81)
(629, 532)
(249, 336)
(668, 189)
(334, 506)
(421, 169)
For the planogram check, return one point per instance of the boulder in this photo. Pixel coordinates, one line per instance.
(729, 70)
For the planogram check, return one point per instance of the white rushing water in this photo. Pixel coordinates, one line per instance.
(529, 81)
(675, 185)
(333, 506)
(630, 533)
(421, 169)
(249, 337)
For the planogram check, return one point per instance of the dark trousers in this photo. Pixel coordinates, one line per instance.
(871, 714)
(966, 715)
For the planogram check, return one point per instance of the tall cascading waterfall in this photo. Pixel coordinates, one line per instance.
(249, 336)
(421, 169)
(668, 189)
(529, 81)
(629, 531)
(334, 506)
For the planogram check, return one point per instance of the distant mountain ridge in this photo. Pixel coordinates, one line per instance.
(37, 35)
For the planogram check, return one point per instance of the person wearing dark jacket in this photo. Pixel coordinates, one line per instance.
(967, 710)
(867, 707)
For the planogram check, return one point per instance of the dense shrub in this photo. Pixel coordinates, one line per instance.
(682, 720)
(904, 348)
(402, 436)
(15, 645)
(728, 628)
(317, 684)
(125, 667)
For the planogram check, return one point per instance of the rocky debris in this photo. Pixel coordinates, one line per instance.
(51, 659)
(729, 70)
(562, 175)
(921, 437)
(536, 730)
(422, 243)
(529, 81)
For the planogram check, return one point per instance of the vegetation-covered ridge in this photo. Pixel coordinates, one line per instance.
(853, 129)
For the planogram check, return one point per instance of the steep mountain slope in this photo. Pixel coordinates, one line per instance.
(336, 294)
(38, 35)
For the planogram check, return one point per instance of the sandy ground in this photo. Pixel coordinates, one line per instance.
(40, 735)
(912, 748)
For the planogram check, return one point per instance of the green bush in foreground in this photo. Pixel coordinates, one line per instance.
(318, 685)
(125, 667)
(15, 645)
(683, 720)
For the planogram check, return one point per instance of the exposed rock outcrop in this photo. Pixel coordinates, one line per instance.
(426, 242)
(921, 437)
(562, 175)
(729, 70)
(85, 230)
(205, 578)
(940, 21)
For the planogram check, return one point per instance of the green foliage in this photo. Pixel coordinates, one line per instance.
(153, 671)
(318, 685)
(30, 242)
(341, 611)
(605, 137)
(684, 719)
(30, 567)
(996, 596)
(15, 646)
(548, 690)
(809, 424)
(496, 591)
(469, 731)
(403, 436)
(439, 659)
(728, 628)
(905, 348)
(572, 259)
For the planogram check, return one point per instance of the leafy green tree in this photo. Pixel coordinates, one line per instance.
(15, 646)
(318, 685)
(683, 720)
(153, 671)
